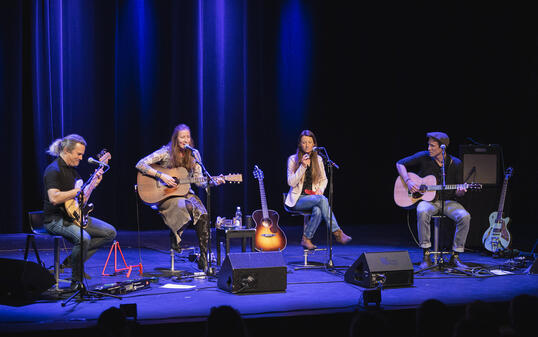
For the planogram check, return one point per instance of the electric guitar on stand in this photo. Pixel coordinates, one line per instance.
(269, 237)
(497, 238)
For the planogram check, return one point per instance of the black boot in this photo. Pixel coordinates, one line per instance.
(455, 261)
(202, 230)
(426, 260)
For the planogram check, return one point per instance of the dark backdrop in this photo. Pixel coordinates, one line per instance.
(247, 76)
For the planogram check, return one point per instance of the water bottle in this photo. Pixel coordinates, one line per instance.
(238, 218)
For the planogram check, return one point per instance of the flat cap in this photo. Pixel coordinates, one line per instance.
(441, 137)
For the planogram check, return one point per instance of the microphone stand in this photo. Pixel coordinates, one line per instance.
(82, 291)
(210, 271)
(330, 164)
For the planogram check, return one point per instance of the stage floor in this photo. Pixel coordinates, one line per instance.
(310, 293)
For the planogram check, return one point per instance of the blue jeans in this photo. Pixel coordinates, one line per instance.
(453, 210)
(96, 234)
(319, 206)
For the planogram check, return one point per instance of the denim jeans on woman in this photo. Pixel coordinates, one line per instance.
(319, 206)
(96, 234)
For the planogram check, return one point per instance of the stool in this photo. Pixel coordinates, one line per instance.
(224, 235)
(436, 252)
(35, 220)
(306, 252)
(154, 207)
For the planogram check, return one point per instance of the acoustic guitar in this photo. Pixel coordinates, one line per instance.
(269, 236)
(152, 190)
(427, 189)
(72, 206)
(497, 237)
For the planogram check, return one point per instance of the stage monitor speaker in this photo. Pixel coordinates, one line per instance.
(480, 164)
(389, 269)
(23, 280)
(253, 272)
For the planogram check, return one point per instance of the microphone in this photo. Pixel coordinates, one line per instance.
(187, 146)
(96, 162)
(318, 148)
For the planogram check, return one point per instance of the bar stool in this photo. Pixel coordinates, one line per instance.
(171, 271)
(439, 262)
(35, 220)
(306, 252)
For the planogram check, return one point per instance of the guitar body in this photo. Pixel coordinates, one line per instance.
(269, 236)
(496, 237)
(402, 196)
(153, 191)
(72, 208)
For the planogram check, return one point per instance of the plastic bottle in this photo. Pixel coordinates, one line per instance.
(238, 218)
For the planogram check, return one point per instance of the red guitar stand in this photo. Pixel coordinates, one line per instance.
(116, 247)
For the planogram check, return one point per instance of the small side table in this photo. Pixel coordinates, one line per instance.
(225, 234)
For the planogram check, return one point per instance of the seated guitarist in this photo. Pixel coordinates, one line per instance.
(178, 211)
(430, 162)
(307, 181)
(62, 183)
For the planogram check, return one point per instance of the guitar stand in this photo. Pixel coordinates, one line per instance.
(116, 247)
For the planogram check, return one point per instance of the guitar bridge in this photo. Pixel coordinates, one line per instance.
(268, 235)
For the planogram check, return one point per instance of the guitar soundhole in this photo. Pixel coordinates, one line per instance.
(267, 222)
(417, 195)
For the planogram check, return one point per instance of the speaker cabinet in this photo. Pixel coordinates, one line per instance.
(23, 280)
(253, 272)
(390, 269)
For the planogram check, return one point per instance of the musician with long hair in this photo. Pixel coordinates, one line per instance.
(178, 211)
(62, 184)
(307, 181)
(430, 162)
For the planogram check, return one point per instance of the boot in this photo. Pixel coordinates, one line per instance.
(202, 230)
(455, 261)
(341, 237)
(307, 244)
(426, 260)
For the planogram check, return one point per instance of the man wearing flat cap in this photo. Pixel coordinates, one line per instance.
(430, 162)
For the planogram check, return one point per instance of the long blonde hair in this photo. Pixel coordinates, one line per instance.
(180, 157)
(314, 162)
(68, 142)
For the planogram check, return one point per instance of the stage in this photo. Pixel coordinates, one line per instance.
(313, 300)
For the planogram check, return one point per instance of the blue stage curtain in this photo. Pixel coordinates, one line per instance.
(123, 73)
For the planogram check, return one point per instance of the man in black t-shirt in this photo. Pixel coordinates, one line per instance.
(62, 183)
(430, 162)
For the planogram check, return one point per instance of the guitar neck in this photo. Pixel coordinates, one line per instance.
(501, 202)
(263, 200)
(440, 187)
(92, 183)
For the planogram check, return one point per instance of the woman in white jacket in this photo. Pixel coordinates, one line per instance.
(307, 181)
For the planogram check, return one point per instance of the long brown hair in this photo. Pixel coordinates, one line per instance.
(180, 157)
(316, 171)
